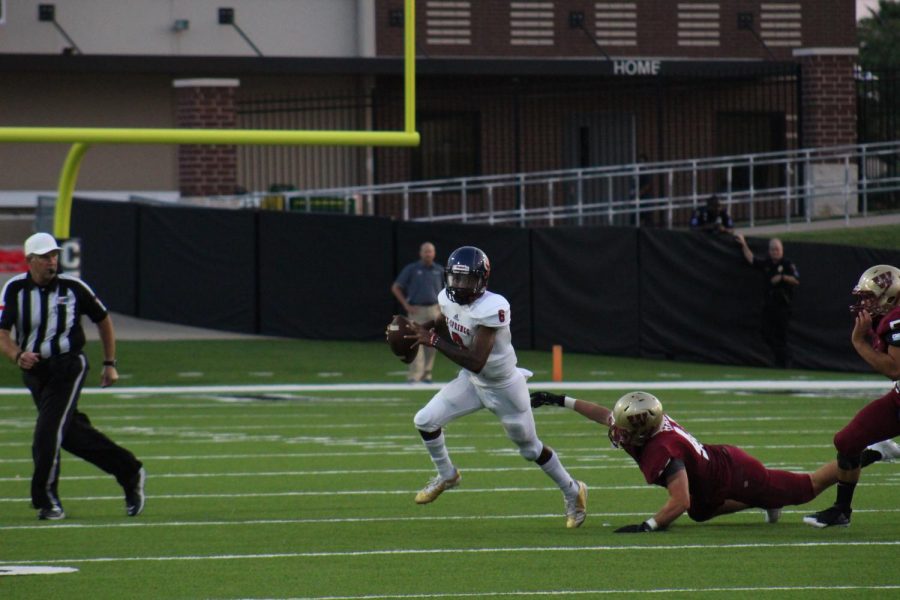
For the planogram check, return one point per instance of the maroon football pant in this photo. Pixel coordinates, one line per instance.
(751, 483)
(879, 420)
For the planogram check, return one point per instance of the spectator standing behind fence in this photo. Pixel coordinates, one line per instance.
(416, 289)
(642, 193)
(782, 278)
(712, 218)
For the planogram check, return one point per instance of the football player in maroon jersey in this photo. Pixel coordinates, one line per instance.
(703, 480)
(876, 338)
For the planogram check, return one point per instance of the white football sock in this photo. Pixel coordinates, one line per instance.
(558, 473)
(440, 457)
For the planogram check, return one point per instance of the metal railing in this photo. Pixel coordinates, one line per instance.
(791, 186)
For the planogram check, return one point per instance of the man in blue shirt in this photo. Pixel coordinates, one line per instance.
(416, 289)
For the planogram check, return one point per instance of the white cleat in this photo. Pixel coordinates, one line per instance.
(436, 487)
(889, 450)
(576, 508)
(772, 515)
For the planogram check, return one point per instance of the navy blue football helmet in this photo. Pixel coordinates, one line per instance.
(466, 274)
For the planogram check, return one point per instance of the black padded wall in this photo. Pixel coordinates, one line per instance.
(198, 267)
(325, 276)
(109, 244)
(623, 291)
(586, 289)
(821, 323)
(699, 299)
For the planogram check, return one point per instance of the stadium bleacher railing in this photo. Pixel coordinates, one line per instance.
(790, 186)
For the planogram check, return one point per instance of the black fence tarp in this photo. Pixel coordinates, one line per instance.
(698, 299)
(648, 292)
(821, 322)
(198, 267)
(325, 276)
(507, 249)
(108, 232)
(586, 289)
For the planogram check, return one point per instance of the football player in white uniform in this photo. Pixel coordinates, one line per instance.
(478, 323)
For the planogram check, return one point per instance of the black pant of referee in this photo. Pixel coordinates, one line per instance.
(55, 384)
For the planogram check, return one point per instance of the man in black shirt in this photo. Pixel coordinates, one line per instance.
(45, 308)
(782, 278)
(712, 218)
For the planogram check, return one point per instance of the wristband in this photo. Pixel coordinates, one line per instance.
(651, 523)
(111, 363)
(433, 339)
(569, 402)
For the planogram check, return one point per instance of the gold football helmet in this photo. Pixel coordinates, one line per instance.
(878, 290)
(637, 416)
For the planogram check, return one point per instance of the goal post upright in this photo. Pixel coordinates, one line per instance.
(409, 68)
(62, 212)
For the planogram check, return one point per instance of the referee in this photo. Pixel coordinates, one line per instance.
(45, 308)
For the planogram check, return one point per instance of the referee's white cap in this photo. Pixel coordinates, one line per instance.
(40, 243)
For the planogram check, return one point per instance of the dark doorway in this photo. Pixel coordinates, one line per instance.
(597, 139)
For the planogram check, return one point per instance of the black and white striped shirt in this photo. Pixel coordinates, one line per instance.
(48, 319)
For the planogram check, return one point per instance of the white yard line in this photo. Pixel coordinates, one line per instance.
(7, 425)
(309, 493)
(570, 453)
(356, 520)
(620, 464)
(123, 437)
(747, 384)
(545, 593)
(532, 550)
(340, 472)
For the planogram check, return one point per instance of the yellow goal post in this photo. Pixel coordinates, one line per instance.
(82, 138)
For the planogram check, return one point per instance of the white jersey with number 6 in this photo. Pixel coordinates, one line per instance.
(490, 310)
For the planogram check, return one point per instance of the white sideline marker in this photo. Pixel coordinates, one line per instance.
(28, 570)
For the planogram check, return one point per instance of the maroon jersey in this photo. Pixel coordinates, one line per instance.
(717, 473)
(887, 331)
(708, 468)
(880, 419)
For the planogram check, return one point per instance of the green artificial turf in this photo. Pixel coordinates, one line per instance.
(274, 361)
(311, 494)
(885, 236)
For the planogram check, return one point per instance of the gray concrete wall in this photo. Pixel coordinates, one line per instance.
(277, 27)
(110, 100)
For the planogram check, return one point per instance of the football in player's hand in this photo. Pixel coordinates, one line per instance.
(395, 334)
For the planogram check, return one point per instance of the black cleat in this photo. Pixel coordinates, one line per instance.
(134, 494)
(868, 457)
(832, 517)
(54, 513)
